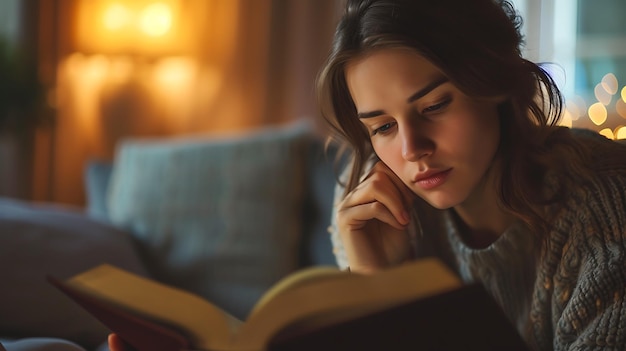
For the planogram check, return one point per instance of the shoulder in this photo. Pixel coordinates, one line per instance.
(605, 153)
(584, 260)
(589, 224)
(594, 176)
(588, 231)
(595, 205)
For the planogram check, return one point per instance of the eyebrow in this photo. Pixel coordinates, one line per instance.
(418, 95)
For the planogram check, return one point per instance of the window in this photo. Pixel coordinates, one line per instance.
(586, 41)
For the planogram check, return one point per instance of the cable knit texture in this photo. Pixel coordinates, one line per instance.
(570, 295)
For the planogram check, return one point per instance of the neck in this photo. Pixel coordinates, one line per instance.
(483, 217)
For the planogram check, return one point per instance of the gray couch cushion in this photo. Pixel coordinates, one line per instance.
(321, 175)
(40, 344)
(36, 240)
(218, 216)
(97, 175)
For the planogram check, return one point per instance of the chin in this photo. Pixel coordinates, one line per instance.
(440, 203)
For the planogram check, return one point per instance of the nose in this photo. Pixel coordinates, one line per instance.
(414, 144)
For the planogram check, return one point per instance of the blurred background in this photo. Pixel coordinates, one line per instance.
(585, 42)
(77, 76)
(111, 69)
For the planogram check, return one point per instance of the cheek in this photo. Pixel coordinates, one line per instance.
(390, 154)
(483, 136)
(384, 152)
(473, 135)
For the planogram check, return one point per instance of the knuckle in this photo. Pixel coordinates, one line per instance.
(376, 207)
(378, 183)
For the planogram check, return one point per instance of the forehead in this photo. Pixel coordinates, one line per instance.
(389, 72)
(388, 54)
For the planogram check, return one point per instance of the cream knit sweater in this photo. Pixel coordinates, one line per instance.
(571, 293)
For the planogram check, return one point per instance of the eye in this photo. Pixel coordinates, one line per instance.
(436, 107)
(383, 129)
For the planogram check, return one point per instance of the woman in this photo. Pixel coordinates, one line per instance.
(456, 153)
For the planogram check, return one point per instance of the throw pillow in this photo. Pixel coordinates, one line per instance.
(218, 216)
(44, 239)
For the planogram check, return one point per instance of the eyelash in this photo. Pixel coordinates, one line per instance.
(430, 109)
(437, 107)
(382, 129)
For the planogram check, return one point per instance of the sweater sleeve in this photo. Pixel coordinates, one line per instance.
(589, 296)
(338, 249)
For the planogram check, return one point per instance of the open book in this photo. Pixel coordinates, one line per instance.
(152, 316)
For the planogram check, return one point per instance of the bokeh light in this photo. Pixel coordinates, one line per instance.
(597, 113)
(566, 119)
(620, 132)
(607, 132)
(610, 84)
(575, 107)
(620, 107)
(602, 95)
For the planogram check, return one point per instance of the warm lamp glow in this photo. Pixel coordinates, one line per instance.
(144, 27)
(597, 113)
(155, 20)
(174, 74)
(90, 73)
(105, 88)
(116, 16)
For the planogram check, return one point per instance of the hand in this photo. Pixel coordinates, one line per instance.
(117, 344)
(372, 221)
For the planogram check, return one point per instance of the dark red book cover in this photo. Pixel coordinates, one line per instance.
(141, 334)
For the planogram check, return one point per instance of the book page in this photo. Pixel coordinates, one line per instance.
(207, 326)
(343, 296)
(302, 277)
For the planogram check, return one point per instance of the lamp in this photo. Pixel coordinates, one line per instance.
(140, 27)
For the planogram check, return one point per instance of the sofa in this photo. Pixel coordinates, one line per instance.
(223, 216)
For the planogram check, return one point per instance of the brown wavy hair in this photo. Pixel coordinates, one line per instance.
(477, 44)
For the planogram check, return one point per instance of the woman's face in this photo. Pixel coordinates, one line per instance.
(439, 141)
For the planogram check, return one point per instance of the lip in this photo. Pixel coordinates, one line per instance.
(432, 178)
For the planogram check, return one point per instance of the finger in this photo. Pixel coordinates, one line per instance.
(379, 188)
(407, 194)
(356, 217)
(117, 344)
